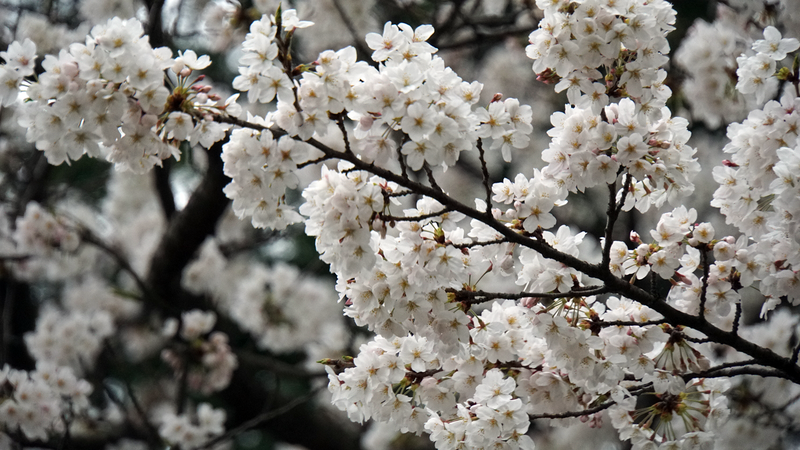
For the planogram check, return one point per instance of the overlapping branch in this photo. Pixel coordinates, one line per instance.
(612, 284)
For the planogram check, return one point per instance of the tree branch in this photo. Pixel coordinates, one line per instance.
(163, 188)
(475, 297)
(612, 283)
(189, 228)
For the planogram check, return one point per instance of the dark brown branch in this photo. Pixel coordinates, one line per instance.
(704, 287)
(634, 391)
(631, 323)
(485, 175)
(626, 188)
(795, 353)
(612, 283)
(402, 161)
(340, 123)
(155, 29)
(311, 162)
(475, 297)
(431, 180)
(763, 372)
(612, 213)
(89, 237)
(737, 318)
(480, 243)
(163, 188)
(387, 218)
(189, 228)
(721, 367)
(566, 415)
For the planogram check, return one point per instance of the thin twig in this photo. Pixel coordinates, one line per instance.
(358, 39)
(89, 237)
(485, 175)
(704, 286)
(387, 218)
(313, 161)
(475, 297)
(626, 187)
(566, 415)
(764, 372)
(697, 340)
(631, 323)
(481, 243)
(152, 432)
(343, 129)
(612, 214)
(431, 180)
(260, 420)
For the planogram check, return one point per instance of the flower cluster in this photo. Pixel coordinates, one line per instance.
(457, 400)
(260, 75)
(20, 59)
(40, 233)
(758, 194)
(209, 360)
(675, 420)
(283, 309)
(453, 357)
(106, 98)
(261, 169)
(37, 402)
(627, 42)
(411, 91)
(191, 432)
(599, 53)
(708, 55)
(756, 73)
(70, 338)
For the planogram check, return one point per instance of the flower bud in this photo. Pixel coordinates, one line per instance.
(178, 66)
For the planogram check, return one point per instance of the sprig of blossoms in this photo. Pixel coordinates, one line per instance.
(682, 419)
(192, 430)
(261, 169)
(600, 53)
(37, 402)
(757, 73)
(107, 98)
(19, 63)
(410, 91)
(208, 359)
(758, 194)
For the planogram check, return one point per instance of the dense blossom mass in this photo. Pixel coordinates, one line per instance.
(645, 334)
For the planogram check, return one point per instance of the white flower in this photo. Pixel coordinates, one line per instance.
(290, 21)
(189, 59)
(773, 46)
(20, 57)
(179, 125)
